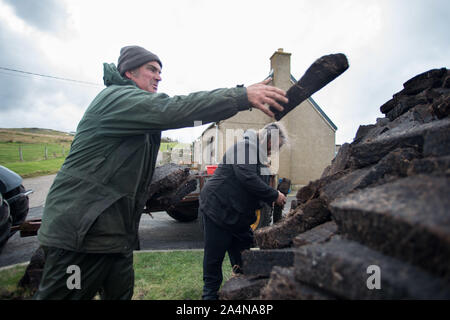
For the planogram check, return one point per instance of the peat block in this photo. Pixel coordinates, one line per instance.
(319, 74)
(167, 178)
(312, 189)
(394, 164)
(343, 268)
(340, 162)
(387, 106)
(282, 285)
(441, 107)
(305, 217)
(172, 197)
(261, 262)
(437, 142)
(33, 273)
(408, 219)
(242, 288)
(431, 165)
(429, 79)
(319, 234)
(428, 137)
(367, 154)
(417, 90)
(357, 179)
(405, 103)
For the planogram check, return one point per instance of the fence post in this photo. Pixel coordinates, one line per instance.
(46, 152)
(20, 153)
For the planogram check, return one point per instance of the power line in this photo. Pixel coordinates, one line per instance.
(51, 77)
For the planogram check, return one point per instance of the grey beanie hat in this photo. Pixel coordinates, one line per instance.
(132, 57)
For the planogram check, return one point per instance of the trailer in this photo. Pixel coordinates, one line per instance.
(186, 210)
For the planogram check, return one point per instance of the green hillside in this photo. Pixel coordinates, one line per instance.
(35, 151)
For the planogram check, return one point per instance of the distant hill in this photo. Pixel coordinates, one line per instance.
(50, 136)
(39, 131)
(34, 135)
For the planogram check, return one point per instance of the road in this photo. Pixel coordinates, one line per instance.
(158, 233)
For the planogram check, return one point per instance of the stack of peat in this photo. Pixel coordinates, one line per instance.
(170, 184)
(376, 225)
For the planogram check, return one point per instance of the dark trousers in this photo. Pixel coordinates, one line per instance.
(218, 241)
(110, 274)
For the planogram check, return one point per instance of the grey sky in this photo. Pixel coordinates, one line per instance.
(210, 44)
(46, 15)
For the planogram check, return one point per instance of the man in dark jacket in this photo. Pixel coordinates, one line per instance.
(229, 199)
(92, 211)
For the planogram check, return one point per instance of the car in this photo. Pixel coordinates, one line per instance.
(14, 203)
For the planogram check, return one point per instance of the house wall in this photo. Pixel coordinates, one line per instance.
(209, 147)
(312, 144)
(197, 152)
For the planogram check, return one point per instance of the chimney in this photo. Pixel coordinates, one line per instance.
(280, 64)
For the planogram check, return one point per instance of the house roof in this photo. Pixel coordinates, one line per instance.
(319, 109)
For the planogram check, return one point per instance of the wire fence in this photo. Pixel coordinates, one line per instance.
(11, 152)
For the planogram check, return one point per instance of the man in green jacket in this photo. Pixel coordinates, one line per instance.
(91, 216)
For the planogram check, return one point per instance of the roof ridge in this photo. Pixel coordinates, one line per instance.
(317, 107)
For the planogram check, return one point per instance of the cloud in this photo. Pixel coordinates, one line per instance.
(45, 15)
(398, 40)
(28, 30)
(15, 53)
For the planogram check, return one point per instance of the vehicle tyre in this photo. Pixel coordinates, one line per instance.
(184, 212)
(19, 207)
(5, 224)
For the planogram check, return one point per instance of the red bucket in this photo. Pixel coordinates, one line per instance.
(210, 169)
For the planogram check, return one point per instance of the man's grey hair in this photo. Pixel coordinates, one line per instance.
(274, 132)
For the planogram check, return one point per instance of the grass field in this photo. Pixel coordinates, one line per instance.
(32, 152)
(167, 146)
(175, 275)
(10, 151)
(35, 168)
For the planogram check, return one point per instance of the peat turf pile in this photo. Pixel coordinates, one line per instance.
(376, 225)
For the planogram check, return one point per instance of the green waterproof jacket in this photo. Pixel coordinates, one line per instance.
(96, 199)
